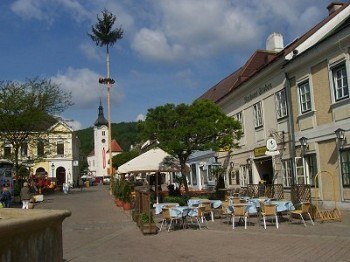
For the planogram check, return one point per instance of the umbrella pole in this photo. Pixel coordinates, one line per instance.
(157, 188)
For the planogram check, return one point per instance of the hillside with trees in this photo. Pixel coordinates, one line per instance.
(126, 135)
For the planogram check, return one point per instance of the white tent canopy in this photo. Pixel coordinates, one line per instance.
(150, 161)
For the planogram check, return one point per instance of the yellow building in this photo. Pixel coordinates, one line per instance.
(54, 153)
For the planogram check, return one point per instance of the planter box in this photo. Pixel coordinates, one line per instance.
(148, 228)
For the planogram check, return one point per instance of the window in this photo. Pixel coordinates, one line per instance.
(60, 148)
(304, 96)
(287, 173)
(345, 167)
(194, 174)
(311, 167)
(340, 82)
(258, 121)
(306, 169)
(7, 151)
(40, 148)
(210, 173)
(24, 149)
(281, 104)
(239, 118)
(103, 133)
(245, 175)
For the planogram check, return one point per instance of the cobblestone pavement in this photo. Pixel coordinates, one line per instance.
(100, 231)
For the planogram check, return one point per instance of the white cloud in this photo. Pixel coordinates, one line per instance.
(83, 83)
(154, 45)
(75, 125)
(29, 9)
(90, 51)
(140, 117)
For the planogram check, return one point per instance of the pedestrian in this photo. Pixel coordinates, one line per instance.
(81, 184)
(25, 195)
(6, 197)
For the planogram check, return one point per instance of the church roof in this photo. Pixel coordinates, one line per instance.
(115, 146)
(101, 120)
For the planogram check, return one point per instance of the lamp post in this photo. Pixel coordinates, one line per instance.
(340, 134)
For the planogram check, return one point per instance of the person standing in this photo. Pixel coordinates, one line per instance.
(25, 195)
(6, 197)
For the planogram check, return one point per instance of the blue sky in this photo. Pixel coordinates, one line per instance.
(172, 50)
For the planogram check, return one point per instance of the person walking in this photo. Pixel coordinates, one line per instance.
(25, 195)
(5, 197)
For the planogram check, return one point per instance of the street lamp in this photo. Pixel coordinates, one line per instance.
(340, 133)
(53, 170)
(303, 143)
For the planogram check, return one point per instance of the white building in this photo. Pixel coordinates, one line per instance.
(98, 160)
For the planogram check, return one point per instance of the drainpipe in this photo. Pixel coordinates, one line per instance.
(291, 125)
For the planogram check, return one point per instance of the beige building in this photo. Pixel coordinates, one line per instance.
(286, 93)
(54, 153)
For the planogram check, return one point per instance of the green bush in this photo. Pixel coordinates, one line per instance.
(182, 200)
(145, 218)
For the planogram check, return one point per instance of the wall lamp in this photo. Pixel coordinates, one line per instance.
(249, 161)
(303, 143)
(340, 133)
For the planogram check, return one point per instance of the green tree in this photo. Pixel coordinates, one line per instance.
(183, 129)
(123, 157)
(27, 109)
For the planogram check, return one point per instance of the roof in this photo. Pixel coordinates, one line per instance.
(256, 62)
(260, 60)
(101, 120)
(115, 146)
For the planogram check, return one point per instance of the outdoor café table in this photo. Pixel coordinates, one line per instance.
(183, 212)
(282, 205)
(250, 208)
(197, 201)
(158, 207)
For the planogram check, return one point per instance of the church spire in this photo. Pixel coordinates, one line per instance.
(101, 120)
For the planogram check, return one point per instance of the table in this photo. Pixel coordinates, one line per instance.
(197, 201)
(282, 205)
(158, 207)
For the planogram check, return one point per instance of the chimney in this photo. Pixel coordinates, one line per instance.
(274, 42)
(334, 6)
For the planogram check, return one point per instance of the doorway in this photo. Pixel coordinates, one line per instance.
(265, 169)
(60, 176)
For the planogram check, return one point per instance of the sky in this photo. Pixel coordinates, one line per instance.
(172, 51)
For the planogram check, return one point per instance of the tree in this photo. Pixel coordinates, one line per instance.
(27, 109)
(104, 35)
(124, 157)
(183, 129)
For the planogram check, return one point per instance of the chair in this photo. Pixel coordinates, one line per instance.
(208, 209)
(225, 212)
(236, 200)
(168, 218)
(268, 210)
(239, 211)
(305, 207)
(200, 216)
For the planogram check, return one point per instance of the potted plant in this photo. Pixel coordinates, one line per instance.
(126, 196)
(117, 192)
(147, 224)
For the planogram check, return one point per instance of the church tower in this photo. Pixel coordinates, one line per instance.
(101, 144)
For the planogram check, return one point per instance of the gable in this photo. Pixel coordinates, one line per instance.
(60, 127)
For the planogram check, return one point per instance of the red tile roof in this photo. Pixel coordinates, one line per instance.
(115, 146)
(258, 61)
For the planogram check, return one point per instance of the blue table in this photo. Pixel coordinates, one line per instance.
(196, 202)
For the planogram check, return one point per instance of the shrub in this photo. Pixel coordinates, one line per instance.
(182, 200)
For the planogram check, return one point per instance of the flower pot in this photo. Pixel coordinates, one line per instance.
(127, 206)
(149, 228)
(119, 203)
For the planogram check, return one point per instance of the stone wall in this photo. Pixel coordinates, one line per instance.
(31, 235)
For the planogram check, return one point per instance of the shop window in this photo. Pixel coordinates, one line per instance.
(60, 148)
(287, 173)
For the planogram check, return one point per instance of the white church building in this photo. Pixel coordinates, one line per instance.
(98, 159)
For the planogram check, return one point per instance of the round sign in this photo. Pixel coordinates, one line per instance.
(271, 144)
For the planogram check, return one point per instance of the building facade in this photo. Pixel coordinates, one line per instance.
(98, 159)
(291, 100)
(53, 153)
